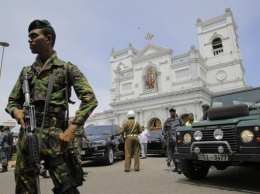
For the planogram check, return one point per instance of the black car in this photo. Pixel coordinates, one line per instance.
(158, 143)
(106, 143)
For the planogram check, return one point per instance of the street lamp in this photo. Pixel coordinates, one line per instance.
(3, 44)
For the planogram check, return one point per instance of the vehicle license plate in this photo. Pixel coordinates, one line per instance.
(213, 157)
(82, 152)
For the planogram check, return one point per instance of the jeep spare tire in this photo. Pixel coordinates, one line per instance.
(227, 112)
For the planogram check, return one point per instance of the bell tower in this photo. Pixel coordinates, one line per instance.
(219, 46)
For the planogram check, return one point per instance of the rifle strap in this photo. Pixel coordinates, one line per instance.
(47, 100)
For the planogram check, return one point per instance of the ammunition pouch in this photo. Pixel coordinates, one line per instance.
(74, 168)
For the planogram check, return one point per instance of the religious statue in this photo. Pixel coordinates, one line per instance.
(150, 79)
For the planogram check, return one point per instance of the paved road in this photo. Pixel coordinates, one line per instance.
(154, 177)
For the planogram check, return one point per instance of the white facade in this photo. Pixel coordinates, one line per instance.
(153, 80)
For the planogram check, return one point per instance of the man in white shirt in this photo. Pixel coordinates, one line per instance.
(144, 137)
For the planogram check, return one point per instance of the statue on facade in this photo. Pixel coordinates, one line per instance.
(150, 78)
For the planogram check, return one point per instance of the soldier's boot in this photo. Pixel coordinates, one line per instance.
(43, 173)
(179, 168)
(4, 169)
(175, 168)
(72, 191)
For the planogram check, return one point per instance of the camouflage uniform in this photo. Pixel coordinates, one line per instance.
(77, 142)
(6, 150)
(54, 122)
(169, 127)
(131, 143)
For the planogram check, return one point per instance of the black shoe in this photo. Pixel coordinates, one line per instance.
(4, 169)
(179, 169)
(174, 170)
(168, 164)
(127, 170)
(85, 173)
(43, 173)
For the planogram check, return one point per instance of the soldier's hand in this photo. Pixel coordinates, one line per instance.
(66, 138)
(19, 116)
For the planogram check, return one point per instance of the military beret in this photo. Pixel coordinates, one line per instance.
(37, 24)
(205, 106)
(172, 110)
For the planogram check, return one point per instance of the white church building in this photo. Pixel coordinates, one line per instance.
(153, 80)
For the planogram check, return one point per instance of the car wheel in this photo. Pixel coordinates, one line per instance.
(109, 156)
(192, 171)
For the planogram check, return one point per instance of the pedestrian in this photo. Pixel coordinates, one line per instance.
(144, 138)
(204, 108)
(190, 120)
(6, 142)
(55, 136)
(169, 128)
(131, 129)
(77, 143)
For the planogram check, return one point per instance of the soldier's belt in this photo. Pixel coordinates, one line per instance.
(50, 122)
(132, 135)
(50, 109)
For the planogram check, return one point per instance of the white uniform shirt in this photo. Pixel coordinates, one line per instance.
(143, 137)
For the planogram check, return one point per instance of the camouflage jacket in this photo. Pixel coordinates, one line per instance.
(80, 132)
(4, 139)
(171, 124)
(38, 83)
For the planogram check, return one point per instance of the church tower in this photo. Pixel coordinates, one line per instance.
(219, 45)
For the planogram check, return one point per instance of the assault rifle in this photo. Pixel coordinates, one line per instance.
(30, 136)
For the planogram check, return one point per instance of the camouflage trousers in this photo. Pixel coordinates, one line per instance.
(5, 155)
(77, 146)
(25, 174)
(172, 149)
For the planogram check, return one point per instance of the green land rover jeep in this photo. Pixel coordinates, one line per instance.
(230, 136)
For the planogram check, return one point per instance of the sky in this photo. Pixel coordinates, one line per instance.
(87, 30)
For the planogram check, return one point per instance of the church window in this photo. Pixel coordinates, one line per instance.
(217, 46)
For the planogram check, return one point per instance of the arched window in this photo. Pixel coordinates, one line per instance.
(155, 124)
(217, 46)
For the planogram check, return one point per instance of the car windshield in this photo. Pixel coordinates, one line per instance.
(154, 134)
(98, 130)
(250, 98)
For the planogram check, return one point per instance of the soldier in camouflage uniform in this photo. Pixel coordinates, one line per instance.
(169, 128)
(6, 148)
(55, 139)
(77, 143)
